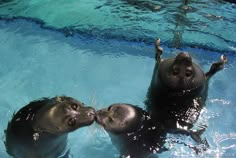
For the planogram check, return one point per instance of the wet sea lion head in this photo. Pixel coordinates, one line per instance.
(63, 115)
(119, 118)
(181, 73)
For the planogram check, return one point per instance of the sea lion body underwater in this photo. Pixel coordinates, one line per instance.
(178, 89)
(40, 129)
(131, 130)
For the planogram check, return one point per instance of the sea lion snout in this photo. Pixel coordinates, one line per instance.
(88, 113)
(183, 57)
(91, 112)
(100, 115)
(179, 73)
(182, 66)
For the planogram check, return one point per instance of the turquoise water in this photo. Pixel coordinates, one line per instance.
(203, 23)
(101, 52)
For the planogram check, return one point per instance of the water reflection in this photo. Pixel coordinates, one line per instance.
(144, 5)
(178, 22)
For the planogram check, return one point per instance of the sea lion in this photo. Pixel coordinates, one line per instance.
(40, 129)
(131, 130)
(178, 89)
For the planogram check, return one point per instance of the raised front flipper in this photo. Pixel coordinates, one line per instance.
(215, 67)
(201, 145)
(159, 50)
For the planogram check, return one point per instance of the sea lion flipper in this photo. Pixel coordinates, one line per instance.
(217, 66)
(159, 50)
(196, 135)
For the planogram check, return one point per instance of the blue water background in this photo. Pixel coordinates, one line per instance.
(90, 52)
(204, 23)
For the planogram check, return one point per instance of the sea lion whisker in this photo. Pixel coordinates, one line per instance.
(92, 132)
(104, 131)
(93, 101)
(100, 128)
(92, 129)
(96, 128)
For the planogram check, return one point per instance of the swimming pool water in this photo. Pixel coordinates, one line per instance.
(202, 23)
(109, 66)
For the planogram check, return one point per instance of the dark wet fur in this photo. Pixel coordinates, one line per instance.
(172, 106)
(19, 135)
(169, 107)
(143, 141)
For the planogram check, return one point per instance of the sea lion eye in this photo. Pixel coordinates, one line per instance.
(71, 121)
(74, 106)
(188, 72)
(109, 108)
(110, 119)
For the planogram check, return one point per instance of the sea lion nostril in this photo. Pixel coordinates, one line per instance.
(91, 113)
